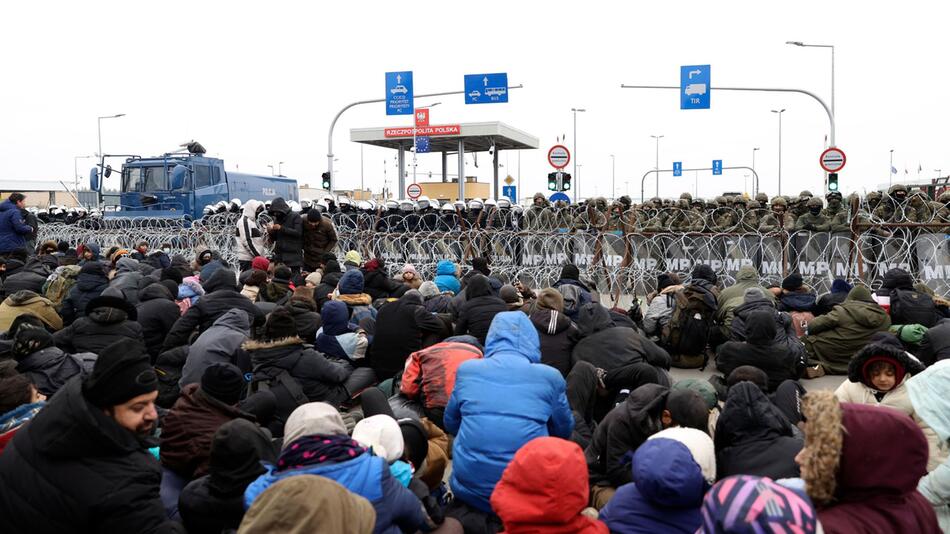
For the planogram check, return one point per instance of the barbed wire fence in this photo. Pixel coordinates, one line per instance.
(618, 262)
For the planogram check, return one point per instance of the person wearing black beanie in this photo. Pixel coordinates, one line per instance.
(570, 272)
(480, 264)
(173, 274)
(793, 282)
(224, 382)
(87, 449)
(704, 272)
(279, 325)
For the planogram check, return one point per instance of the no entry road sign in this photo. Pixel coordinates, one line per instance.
(559, 156)
(832, 159)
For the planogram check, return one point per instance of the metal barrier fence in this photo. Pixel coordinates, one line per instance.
(619, 264)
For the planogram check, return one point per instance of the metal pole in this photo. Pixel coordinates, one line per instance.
(361, 170)
(890, 171)
(831, 118)
(495, 174)
(657, 166)
(780, 152)
(613, 176)
(832, 80)
(402, 171)
(445, 167)
(648, 173)
(461, 170)
(577, 179)
(374, 101)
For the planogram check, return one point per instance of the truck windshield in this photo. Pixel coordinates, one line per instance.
(144, 179)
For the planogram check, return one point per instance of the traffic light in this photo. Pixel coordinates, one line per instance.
(326, 180)
(833, 182)
(565, 182)
(552, 181)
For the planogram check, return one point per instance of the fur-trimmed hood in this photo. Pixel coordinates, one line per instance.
(359, 299)
(253, 344)
(911, 365)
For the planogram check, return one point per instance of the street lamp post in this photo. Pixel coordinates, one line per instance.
(76, 169)
(279, 172)
(832, 47)
(890, 170)
(613, 176)
(102, 158)
(779, 112)
(657, 167)
(754, 150)
(577, 181)
(271, 167)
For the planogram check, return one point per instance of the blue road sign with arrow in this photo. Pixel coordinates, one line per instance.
(677, 168)
(694, 87)
(717, 166)
(560, 196)
(399, 98)
(486, 88)
(510, 191)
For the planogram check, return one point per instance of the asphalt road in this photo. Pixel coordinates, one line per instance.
(830, 382)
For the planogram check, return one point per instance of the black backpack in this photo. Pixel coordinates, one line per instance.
(912, 307)
(687, 332)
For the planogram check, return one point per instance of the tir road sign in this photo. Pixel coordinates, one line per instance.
(694, 87)
(559, 156)
(832, 159)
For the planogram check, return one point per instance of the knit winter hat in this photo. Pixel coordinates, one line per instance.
(793, 282)
(409, 268)
(173, 274)
(665, 280)
(480, 264)
(313, 418)
(313, 279)
(92, 267)
(382, 434)
(510, 295)
(429, 289)
(570, 272)
(171, 286)
(119, 254)
(279, 325)
(551, 299)
(353, 257)
(700, 445)
(30, 339)
(282, 274)
(260, 263)
(415, 441)
(122, 372)
(224, 382)
(744, 503)
(841, 286)
(702, 387)
(753, 294)
(208, 270)
(314, 216)
(704, 272)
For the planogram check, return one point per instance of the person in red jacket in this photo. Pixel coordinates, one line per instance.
(861, 465)
(544, 489)
(430, 374)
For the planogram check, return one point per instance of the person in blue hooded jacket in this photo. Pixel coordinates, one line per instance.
(445, 278)
(500, 403)
(13, 231)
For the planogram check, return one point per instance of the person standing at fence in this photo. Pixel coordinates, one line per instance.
(778, 219)
(287, 235)
(319, 236)
(13, 230)
(248, 237)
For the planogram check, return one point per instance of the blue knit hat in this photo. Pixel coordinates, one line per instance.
(841, 285)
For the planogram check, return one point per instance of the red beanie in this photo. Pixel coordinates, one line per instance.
(260, 263)
(899, 370)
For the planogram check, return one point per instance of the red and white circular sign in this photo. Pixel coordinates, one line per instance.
(414, 191)
(559, 156)
(832, 159)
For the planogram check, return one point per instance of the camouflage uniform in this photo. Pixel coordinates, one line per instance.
(813, 221)
(539, 218)
(763, 200)
(699, 220)
(593, 217)
(797, 206)
(836, 213)
(921, 206)
(616, 219)
(725, 218)
(777, 220)
(680, 220)
(563, 220)
(894, 208)
(751, 218)
(941, 209)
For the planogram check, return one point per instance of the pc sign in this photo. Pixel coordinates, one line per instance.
(694, 87)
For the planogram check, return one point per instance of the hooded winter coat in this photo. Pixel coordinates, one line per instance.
(351, 293)
(157, 313)
(218, 344)
(610, 347)
(624, 429)
(127, 279)
(306, 318)
(109, 318)
(50, 368)
(747, 277)
(834, 338)
(859, 389)
(761, 350)
(430, 373)
(558, 337)
(28, 302)
(753, 437)
(288, 241)
(666, 493)
(30, 277)
(331, 278)
(400, 327)
(13, 230)
(318, 239)
(445, 278)
(928, 395)
(484, 389)
(215, 502)
(74, 469)
(784, 329)
(318, 379)
(935, 345)
(188, 431)
(311, 504)
(337, 338)
(659, 311)
(883, 456)
(544, 489)
(89, 285)
(249, 238)
(221, 295)
(480, 308)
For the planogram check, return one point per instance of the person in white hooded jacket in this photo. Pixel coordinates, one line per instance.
(928, 394)
(249, 237)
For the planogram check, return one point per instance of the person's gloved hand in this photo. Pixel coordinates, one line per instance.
(909, 333)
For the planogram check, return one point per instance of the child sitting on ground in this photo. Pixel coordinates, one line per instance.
(878, 375)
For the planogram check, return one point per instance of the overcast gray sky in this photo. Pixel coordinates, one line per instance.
(258, 83)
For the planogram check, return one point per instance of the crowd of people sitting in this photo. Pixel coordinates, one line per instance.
(142, 391)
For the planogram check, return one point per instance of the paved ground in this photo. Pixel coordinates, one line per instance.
(825, 382)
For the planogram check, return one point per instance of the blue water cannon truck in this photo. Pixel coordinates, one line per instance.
(180, 184)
